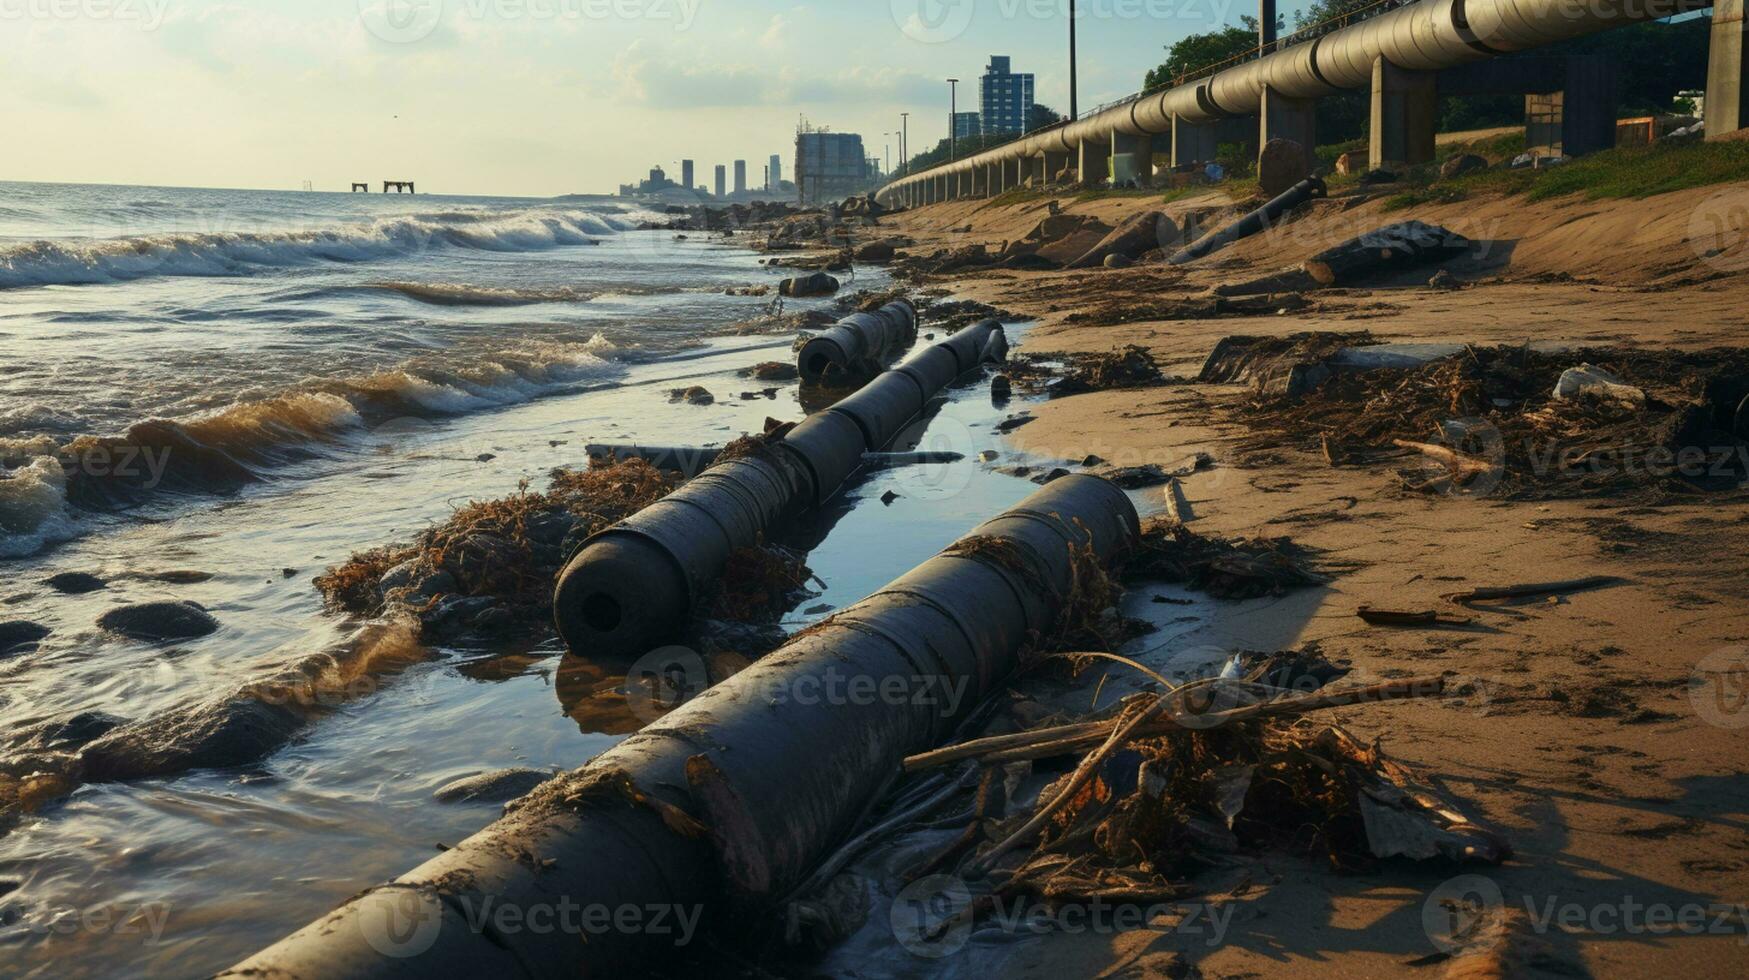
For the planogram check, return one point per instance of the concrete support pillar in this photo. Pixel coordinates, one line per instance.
(1726, 109)
(1054, 164)
(1577, 120)
(1094, 164)
(1192, 142)
(1285, 118)
(1132, 159)
(1405, 113)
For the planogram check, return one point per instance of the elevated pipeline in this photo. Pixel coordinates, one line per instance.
(1427, 35)
(721, 807)
(636, 584)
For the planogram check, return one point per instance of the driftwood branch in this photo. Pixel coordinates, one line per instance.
(1534, 589)
(1063, 739)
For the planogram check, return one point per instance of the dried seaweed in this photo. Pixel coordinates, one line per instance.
(1242, 568)
(1495, 407)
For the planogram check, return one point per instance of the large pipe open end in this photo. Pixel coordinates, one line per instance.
(618, 594)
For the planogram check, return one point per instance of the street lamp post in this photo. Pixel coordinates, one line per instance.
(1074, 109)
(904, 140)
(953, 118)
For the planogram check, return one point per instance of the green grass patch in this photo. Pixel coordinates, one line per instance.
(1446, 193)
(1643, 171)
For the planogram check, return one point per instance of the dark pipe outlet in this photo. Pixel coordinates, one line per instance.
(859, 339)
(635, 585)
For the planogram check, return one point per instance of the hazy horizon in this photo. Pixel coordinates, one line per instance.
(531, 98)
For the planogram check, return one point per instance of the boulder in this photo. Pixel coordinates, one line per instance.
(159, 622)
(1280, 165)
(1136, 236)
(222, 734)
(695, 395)
(817, 284)
(1118, 260)
(1462, 164)
(878, 251)
(501, 786)
(771, 371)
(18, 636)
(415, 583)
(74, 583)
(67, 734)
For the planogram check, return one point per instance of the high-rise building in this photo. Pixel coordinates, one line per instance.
(686, 174)
(740, 176)
(830, 166)
(1004, 98)
(722, 181)
(775, 177)
(966, 125)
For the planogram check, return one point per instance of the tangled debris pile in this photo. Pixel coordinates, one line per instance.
(490, 568)
(1168, 783)
(1490, 419)
(492, 563)
(1130, 366)
(1241, 568)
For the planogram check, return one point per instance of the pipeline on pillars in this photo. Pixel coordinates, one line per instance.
(636, 584)
(726, 804)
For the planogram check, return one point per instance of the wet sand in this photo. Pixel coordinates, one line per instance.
(1582, 736)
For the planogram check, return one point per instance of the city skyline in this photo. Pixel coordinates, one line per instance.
(511, 96)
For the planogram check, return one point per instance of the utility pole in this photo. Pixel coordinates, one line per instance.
(1266, 25)
(953, 118)
(1074, 108)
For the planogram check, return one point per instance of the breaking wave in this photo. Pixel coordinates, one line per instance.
(461, 294)
(69, 261)
(224, 451)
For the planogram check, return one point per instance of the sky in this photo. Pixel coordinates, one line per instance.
(520, 97)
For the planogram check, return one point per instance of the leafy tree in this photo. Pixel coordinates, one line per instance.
(1041, 116)
(1197, 50)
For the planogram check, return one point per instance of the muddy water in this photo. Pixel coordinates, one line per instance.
(182, 876)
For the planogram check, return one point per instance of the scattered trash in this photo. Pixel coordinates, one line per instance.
(1387, 617)
(1384, 250)
(1587, 381)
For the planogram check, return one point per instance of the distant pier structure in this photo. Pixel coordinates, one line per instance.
(361, 188)
(399, 186)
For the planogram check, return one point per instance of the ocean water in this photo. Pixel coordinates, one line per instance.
(213, 395)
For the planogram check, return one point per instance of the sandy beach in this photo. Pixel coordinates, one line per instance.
(1583, 730)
